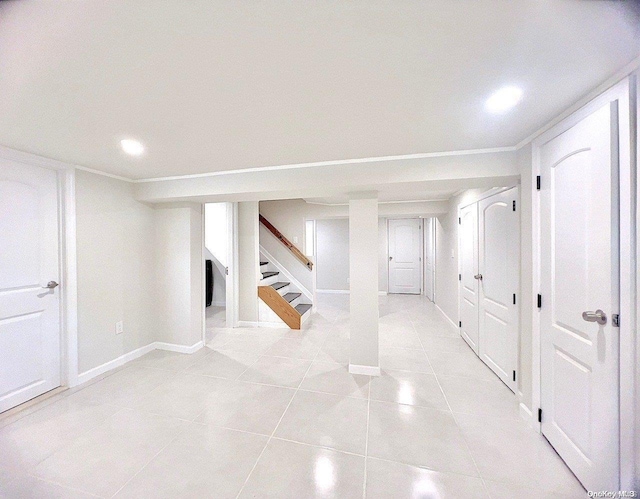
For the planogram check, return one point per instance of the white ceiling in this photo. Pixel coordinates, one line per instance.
(221, 85)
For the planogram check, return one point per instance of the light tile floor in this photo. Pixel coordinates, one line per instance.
(275, 413)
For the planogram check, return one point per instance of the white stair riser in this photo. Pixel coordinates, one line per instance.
(295, 302)
(269, 280)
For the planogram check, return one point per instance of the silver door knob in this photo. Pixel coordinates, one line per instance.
(598, 316)
(50, 285)
(478, 276)
(390, 258)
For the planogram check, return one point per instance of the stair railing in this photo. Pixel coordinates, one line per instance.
(296, 252)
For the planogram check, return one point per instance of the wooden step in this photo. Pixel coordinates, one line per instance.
(266, 275)
(291, 296)
(283, 309)
(302, 308)
(279, 285)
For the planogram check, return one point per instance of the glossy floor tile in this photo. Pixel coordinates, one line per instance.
(276, 413)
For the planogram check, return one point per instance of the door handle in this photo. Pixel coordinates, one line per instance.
(478, 276)
(50, 285)
(390, 258)
(598, 316)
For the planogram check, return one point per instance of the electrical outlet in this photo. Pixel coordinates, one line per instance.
(119, 327)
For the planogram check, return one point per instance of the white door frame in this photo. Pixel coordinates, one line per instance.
(624, 93)
(68, 270)
(422, 246)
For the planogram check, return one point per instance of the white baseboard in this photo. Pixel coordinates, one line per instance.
(527, 417)
(219, 303)
(382, 293)
(113, 364)
(133, 355)
(449, 319)
(368, 370)
(172, 347)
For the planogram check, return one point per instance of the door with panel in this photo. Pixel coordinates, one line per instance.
(405, 256)
(579, 296)
(29, 276)
(498, 259)
(468, 279)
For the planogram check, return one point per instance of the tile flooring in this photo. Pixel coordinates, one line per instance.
(275, 413)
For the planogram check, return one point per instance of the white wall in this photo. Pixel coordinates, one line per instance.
(116, 269)
(332, 254)
(248, 261)
(179, 274)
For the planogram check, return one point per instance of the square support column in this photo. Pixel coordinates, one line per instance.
(363, 275)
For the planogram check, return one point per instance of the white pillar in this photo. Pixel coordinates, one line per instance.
(248, 265)
(363, 274)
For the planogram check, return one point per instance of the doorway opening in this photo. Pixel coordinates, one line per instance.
(219, 257)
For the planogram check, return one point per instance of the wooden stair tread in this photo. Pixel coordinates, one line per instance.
(291, 296)
(302, 308)
(279, 285)
(266, 275)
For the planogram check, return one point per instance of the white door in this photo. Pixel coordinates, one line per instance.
(498, 255)
(29, 313)
(429, 267)
(405, 249)
(579, 273)
(468, 254)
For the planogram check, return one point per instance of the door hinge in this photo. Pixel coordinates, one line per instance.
(538, 183)
(459, 221)
(226, 271)
(539, 301)
(616, 320)
(460, 324)
(514, 375)
(539, 415)
(514, 205)
(459, 277)
(514, 298)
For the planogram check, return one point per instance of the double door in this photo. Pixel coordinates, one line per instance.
(489, 253)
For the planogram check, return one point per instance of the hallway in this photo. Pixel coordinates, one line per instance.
(275, 413)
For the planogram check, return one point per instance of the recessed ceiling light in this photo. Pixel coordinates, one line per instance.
(132, 147)
(504, 99)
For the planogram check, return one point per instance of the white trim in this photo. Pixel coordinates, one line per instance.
(286, 273)
(295, 166)
(113, 364)
(449, 319)
(104, 174)
(620, 93)
(135, 354)
(487, 194)
(172, 347)
(219, 303)
(367, 370)
(333, 291)
(382, 293)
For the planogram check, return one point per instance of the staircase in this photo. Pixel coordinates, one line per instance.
(282, 297)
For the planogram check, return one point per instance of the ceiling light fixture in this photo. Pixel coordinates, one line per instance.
(504, 99)
(132, 147)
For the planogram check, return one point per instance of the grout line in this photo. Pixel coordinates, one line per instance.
(464, 438)
(279, 421)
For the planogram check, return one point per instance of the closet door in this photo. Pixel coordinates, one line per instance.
(468, 283)
(498, 256)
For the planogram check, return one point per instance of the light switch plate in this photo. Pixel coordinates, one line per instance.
(119, 327)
